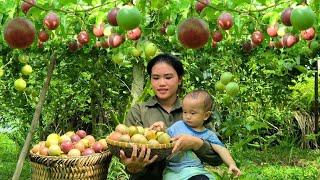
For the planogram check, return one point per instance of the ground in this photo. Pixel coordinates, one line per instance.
(273, 163)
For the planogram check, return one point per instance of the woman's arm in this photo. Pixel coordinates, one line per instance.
(134, 116)
(136, 164)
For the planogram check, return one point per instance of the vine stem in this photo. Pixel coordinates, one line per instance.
(69, 12)
(248, 13)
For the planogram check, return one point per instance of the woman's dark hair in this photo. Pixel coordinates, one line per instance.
(169, 59)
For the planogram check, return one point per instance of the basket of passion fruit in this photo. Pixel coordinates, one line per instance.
(123, 138)
(73, 155)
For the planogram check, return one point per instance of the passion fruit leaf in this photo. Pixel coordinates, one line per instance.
(100, 17)
(88, 1)
(66, 2)
(301, 68)
(35, 13)
(210, 14)
(96, 2)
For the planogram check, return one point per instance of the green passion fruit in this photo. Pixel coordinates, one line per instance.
(128, 17)
(226, 77)
(302, 17)
(20, 84)
(232, 89)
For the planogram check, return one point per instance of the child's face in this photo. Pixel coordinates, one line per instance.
(194, 113)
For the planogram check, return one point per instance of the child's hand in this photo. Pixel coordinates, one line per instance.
(235, 170)
(158, 126)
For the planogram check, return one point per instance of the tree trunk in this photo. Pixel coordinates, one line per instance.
(137, 82)
(35, 119)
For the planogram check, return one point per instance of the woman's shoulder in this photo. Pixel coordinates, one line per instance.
(152, 101)
(149, 102)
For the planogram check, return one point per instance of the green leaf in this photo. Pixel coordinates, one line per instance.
(88, 1)
(273, 17)
(100, 17)
(263, 2)
(156, 4)
(7, 6)
(64, 25)
(301, 68)
(96, 2)
(209, 14)
(299, 1)
(35, 13)
(66, 2)
(236, 3)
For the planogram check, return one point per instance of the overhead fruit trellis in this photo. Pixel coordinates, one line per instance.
(192, 33)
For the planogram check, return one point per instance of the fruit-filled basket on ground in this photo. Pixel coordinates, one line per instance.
(73, 155)
(123, 138)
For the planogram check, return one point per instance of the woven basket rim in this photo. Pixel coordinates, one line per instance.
(130, 144)
(42, 157)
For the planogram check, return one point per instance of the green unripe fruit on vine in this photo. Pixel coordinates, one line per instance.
(136, 52)
(20, 84)
(1, 72)
(150, 49)
(314, 45)
(219, 86)
(23, 59)
(128, 17)
(281, 31)
(171, 29)
(302, 17)
(232, 89)
(226, 77)
(26, 70)
(118, 58)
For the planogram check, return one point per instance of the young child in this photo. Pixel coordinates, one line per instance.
(185, 165)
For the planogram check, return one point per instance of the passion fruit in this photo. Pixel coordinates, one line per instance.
(302, 17)
(19, 33)
(193, 33)
(128, 17)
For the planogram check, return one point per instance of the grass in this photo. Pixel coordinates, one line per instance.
(9, 155)
(275, 163)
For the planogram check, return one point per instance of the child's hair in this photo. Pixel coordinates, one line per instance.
(207, 100)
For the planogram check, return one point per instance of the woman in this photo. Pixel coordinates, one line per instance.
(166, 74)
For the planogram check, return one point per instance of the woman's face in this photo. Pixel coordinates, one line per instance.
(164, 81)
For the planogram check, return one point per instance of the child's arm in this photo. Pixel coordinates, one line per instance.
(227, 159)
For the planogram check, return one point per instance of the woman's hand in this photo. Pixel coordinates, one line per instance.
(158, 126)
(135, 163)
(186, 142)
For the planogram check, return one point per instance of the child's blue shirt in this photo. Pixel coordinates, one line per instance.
(185, 159)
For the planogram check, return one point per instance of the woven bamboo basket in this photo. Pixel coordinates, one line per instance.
(92, 167)
(162, 150)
